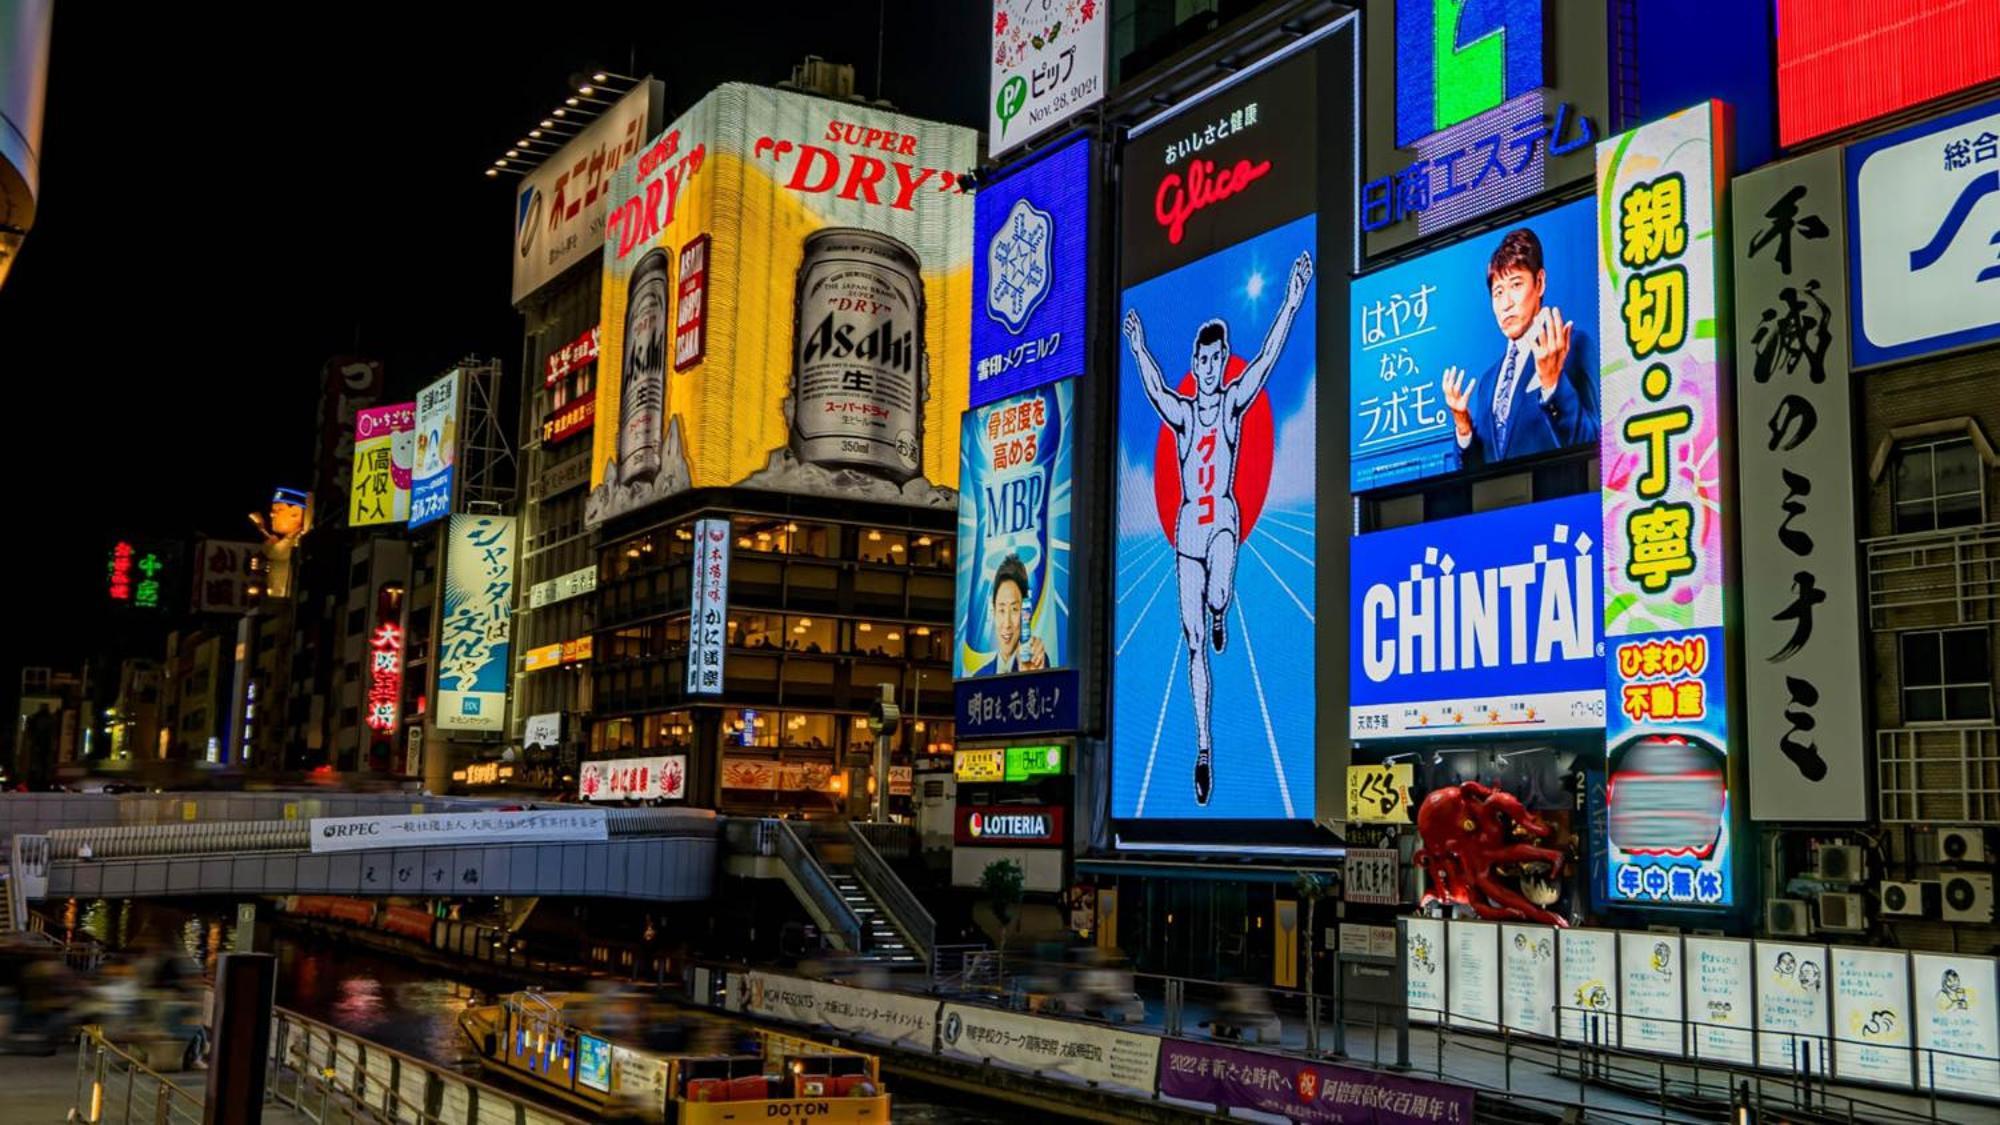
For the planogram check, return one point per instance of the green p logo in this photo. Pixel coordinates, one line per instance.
(1013, 95)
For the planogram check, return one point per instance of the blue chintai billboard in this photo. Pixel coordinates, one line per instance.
(1487, 624)
(1030, 278)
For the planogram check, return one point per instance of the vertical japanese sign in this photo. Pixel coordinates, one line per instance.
(385, 666)
(476, 623)
(1802, 637)
(435, 453)
(1665, 488)
(384, 442)
(134, 574)
(1048, 64)
(225, 576)
(708, 637)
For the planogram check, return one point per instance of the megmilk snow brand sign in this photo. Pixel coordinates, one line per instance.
(1030, 272)
(1802, 633)
(1048, 65)
(559, 207)
(475, 624)
(423, 830)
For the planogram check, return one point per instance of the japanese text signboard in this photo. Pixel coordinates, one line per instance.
(1053, 1048)
(1048, 65)
(643, 779)
(890, 1018)
(1924, 210)
(476, 623)
(436, 453)
(384, 444)
(360, 833)
(559, 207)
(1803, 691)
(1666, 483)
(1233, 1078)
(385, 666)
(1030, 273)
(708, 633)
(225, 576)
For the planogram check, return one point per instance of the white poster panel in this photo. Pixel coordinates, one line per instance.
(476, 624)
(1719, 1011)
(708, 636)
(892, 1018)
(1871, 1016)
(1587, 971)
(1048, 64)
(434, 464)
(1528, 979)
(1423, 960)
(640, 779)
(1475, 975)
(1649, 992)
(1792, 1006)
(1081, 1052)
(559, 207)
(1958, 1024)
(419, 830)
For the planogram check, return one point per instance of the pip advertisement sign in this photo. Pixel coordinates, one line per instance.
(1048, 64)
(436, 452)
(1213, 690)
(385, 440)
(1030, 273)
(787, 290)
(1665, 485)
(1485, 624)
(475, 625)
(1925, 208)
(1482, 352)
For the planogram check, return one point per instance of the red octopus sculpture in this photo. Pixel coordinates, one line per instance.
(1468, 831)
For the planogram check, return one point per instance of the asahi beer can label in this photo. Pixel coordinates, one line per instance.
(643, 387)
(858, 384)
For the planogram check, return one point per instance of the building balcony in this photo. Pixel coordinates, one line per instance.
(1939, 774)
(1929, 579)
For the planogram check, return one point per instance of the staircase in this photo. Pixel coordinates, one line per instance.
(882, 943)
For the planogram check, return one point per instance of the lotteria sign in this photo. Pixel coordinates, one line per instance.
(1487, 624)
(1009, 824)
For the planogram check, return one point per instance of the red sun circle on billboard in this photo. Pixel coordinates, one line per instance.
(1253, 459)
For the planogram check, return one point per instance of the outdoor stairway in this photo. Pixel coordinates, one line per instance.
(885, 945)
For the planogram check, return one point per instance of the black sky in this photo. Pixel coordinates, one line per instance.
(226, 202)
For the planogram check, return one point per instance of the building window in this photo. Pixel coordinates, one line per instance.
(1947, 676)
(1939, 484)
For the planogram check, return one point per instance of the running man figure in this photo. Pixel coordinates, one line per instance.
(1207, 430)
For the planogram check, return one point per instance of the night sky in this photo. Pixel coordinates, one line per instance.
(216, 219)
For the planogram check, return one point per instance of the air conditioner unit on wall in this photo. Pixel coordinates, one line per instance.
(1838, 863)
(1968, 896)
(1786, 917)
(1843, 913)
(1910, 900)
(1961, 845)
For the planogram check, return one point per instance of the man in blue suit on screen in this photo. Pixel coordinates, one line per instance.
(1538, 395)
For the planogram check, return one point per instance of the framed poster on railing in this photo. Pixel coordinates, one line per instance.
(1871, 1016)
(1958, 1024)
(1792, 1007)
(1475, 975)
(1528, 979)
(1719, 1011)
(1649, 993)
(1587, 972)
(1424, 960)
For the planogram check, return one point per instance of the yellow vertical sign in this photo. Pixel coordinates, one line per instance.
(1285, 939)
(1107, 918)
(1380, 794)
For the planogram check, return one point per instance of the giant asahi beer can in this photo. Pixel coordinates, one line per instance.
(859, 379)
(642, 396)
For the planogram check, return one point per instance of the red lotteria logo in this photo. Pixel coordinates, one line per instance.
(1174, 203)
(975, 824)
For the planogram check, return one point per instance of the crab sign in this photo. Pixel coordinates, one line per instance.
(1469, 835)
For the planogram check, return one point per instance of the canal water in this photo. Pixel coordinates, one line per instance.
(412, 1009)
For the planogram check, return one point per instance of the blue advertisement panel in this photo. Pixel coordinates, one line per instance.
(1478, 353)
(1014, 538)
(1213, 627)
(1486, 624)
(1030, 276)
(476, 623)
(436, 453)
(1924, 207)
(1024, 703)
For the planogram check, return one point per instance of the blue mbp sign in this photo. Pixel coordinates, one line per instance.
(1483, 625)
(1030, 230)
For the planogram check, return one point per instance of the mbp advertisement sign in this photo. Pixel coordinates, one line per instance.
(385, 440)
(1013, 589)
(1048, 65)
(1924, 204)
(787, 290)
(1802, 633)
(1223, 244)
(1486, 624)
(1479, 353)
(475, 625)
(1030, 273)
(559, 207)
(1666, 487)
(436, 452)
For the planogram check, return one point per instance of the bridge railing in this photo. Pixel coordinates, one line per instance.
(892, 893)
(813, 882)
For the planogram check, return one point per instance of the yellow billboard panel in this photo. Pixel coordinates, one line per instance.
(980, 765)
(787, 303)
(1380, 794)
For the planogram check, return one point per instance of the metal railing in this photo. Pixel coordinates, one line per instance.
(1945, 775)
(1934, 577)
(891, 893)
(813, 883)
(236, 837)
(114, 1088)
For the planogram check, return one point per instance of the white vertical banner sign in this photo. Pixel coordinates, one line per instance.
(1801, 604)
(1871, 1016)
(1718, 1000)
(476, 623)
(1528, 979)
(1047, 65)
(1958, 1024)
(1792, 1007)
(1424, 962)
(1649, 993)
(708, 625)
(1475, 975)
(1587, 973)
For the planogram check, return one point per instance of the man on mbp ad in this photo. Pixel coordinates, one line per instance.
(1011, 610)
(1537, 396)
